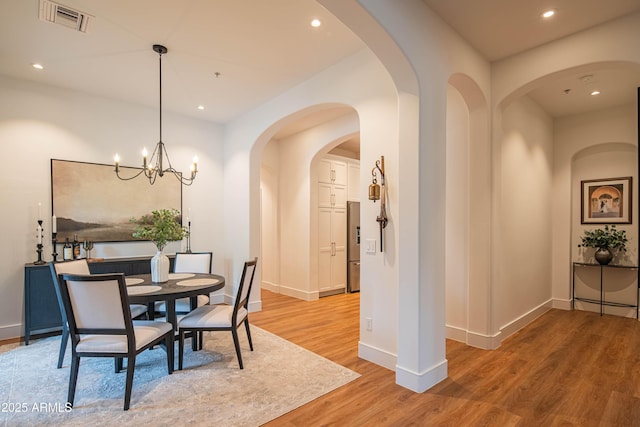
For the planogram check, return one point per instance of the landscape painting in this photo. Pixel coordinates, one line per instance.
(89, 200)
(606, 201)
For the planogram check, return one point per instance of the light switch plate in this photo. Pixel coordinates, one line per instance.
(371, 246)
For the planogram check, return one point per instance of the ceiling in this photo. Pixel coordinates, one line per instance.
(261, 48)
(502, 28)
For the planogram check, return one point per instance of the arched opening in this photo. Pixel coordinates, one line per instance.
(468, 217)
(536, 142)
(289, 197)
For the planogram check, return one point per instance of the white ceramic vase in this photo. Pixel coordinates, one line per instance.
(159, 268)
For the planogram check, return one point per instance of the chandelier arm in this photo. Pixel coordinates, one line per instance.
(130, 178)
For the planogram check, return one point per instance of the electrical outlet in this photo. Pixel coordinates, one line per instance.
(369, 324)
(371, 246)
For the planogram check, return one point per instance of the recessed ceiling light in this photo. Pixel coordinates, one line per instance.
(200, 107)
(548, 13)
(595, 92)
(37, 66)
(316, 23)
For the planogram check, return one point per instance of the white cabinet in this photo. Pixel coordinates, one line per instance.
(332, 251)
(338, 181)
(332, 196)
(332, 171)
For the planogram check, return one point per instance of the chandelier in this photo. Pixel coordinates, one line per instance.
(154, 167)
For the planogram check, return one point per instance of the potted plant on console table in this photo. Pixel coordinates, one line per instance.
(605, 242)
(161, 227)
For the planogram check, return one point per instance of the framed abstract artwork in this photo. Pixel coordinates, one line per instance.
(90, 201)
(606, 201)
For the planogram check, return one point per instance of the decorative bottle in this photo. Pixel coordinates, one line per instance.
(76, 247)
(67, 251)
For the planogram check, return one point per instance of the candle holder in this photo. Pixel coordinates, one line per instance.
(55, 246)
(39, 246)
(188, 237)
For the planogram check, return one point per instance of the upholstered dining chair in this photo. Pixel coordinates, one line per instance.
(222, 317)
(192, 262)
(79, 266)
(100, 325)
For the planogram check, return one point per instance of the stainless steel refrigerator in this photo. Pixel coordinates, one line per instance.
(353, 246)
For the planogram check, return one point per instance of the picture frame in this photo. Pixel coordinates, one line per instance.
(90, 201)
(606, 201)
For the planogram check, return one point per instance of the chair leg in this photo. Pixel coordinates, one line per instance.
(236, 342)
(180, 347)
(63, 344)
(200, 339)
(246, 324)
(117, 362)
(169, 344)
(131, 366)
(73, 379)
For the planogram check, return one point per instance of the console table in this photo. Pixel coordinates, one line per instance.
(602, 301)
(41, 309)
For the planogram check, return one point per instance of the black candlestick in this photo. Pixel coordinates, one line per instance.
(39, 236)
(188, 237)
(55, 246)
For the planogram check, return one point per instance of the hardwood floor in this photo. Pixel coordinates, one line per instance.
(568, 368)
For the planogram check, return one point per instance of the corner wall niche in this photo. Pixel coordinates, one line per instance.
(604, 161)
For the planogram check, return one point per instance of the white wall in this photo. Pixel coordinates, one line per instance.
(457, 273)
(525, 213)
(270, 220)
(38, 123)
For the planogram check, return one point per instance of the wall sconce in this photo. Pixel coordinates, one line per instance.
(377, 192)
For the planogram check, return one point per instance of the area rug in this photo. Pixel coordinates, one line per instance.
(278, 376)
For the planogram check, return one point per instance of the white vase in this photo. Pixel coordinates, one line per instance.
(159, 268)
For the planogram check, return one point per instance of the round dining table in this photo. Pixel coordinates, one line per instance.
(142, 290)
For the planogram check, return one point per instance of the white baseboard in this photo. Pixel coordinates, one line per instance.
(474, 339)
(290, 292)
(561, 304)
(457, 334)
(12, 331)
(378, 356)
(485, 342)
(514, 326)
(421, 381)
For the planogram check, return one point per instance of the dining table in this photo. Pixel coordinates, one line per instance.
(142, 290)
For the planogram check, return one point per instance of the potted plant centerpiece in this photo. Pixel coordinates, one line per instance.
(605, 241)
(161, 227)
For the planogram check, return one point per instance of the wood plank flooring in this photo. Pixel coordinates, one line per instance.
(568, 368)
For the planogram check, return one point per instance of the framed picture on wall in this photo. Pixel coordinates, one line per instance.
(89, 200)
(606, 201)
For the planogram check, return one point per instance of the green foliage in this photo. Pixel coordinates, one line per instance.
(609, 238)
(161, 227)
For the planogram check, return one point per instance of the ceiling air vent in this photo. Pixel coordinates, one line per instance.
(63, 15)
